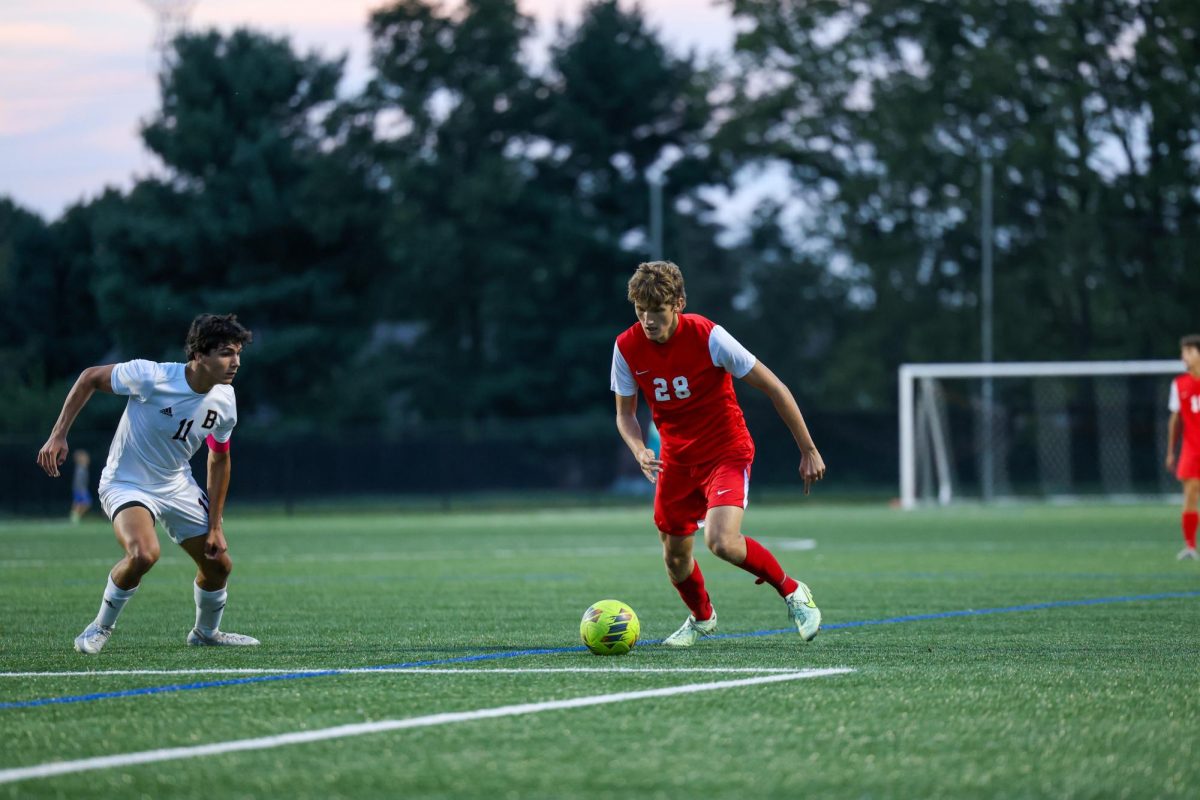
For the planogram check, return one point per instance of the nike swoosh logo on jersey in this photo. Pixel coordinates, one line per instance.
(723, 491)
(641, 372)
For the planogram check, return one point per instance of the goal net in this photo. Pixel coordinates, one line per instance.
(1035, 430)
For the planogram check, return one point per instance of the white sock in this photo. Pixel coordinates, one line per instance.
(209, 608)
(115, 599)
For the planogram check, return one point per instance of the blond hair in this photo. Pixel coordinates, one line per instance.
(656, 284)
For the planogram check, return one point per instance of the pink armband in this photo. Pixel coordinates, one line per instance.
(217, 447)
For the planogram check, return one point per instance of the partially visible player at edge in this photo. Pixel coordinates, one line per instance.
(684, 364)
(172, 409)
(1185, 423)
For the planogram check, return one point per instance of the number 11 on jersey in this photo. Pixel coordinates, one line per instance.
(185, 427)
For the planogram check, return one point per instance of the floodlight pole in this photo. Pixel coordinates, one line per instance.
(655, 183)
(987, 470)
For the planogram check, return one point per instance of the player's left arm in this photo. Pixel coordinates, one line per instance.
(812, 466)
(218, 488)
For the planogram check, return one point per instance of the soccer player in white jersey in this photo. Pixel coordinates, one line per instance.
(173, 409)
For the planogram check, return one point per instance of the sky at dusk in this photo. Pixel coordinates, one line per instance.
(77, 76)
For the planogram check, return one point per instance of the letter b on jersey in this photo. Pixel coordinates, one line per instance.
(210, 419)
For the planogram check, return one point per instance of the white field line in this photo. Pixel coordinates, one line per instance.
(360, 729)
(791, 544)
(392, 555)
(349, 558)
(974, 546)
(397, 671)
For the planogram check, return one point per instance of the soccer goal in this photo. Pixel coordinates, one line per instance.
(1035, 430)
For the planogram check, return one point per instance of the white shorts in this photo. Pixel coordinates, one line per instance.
(183, 512)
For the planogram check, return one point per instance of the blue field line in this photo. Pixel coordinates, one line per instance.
(970, 612)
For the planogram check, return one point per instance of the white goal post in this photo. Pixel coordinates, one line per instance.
(1030, 405)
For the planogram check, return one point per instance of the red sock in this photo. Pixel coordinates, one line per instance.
(1190, 521)
(694, 595)
(762, 565)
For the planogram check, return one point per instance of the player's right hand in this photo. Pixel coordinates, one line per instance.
(650, 463)
(1170, 461)
(52, 455)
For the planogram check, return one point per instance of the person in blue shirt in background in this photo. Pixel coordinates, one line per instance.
(81, 494)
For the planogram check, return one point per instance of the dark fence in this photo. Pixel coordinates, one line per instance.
(551, 455)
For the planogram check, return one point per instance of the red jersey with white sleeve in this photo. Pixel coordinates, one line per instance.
(1185, 401)
(688, 383)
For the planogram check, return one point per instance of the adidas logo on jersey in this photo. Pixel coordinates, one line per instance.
(167, 412)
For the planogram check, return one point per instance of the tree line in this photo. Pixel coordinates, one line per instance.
(451, 242)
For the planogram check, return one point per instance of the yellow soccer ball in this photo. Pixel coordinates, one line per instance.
(609, 628)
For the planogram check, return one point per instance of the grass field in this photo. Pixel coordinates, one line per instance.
(1039, 697)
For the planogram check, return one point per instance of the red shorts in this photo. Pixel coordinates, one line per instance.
(684, 494)
(1188, 468)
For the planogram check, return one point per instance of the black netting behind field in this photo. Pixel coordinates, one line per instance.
(1044, 437)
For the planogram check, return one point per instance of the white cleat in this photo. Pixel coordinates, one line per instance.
(804, 612)
(93, 639)
(197, 638)
(691, 631)
(1186, 553)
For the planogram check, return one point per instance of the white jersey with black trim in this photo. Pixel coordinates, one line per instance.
(164, 424)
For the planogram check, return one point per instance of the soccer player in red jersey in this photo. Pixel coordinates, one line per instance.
(684, 365)
(1185, 424)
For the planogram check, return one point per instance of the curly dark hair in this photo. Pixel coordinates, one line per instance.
(210, 331)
